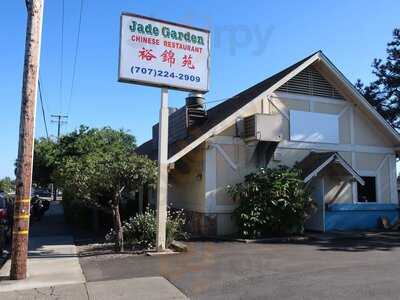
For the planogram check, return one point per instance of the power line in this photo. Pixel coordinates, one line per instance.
(215, 101)
(75, 57)
(43, 114)
(45, 102)
(62, 56)
(207, 102)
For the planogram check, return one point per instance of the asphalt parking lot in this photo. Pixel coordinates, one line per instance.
(359, 268)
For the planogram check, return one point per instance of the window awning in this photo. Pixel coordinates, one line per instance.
(315, 162)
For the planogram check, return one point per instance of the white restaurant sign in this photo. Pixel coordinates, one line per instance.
(165, 54)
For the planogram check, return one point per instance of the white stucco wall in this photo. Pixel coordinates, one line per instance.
(186, 182)
(360, 143)
(225, 158)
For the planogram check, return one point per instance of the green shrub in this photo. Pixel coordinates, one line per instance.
(272, 202)
(140, 230)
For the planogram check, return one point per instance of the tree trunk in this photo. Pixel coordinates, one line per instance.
(119, 244)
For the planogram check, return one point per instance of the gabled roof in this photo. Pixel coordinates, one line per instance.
(221, 111)
(315, 162)
(222, 115)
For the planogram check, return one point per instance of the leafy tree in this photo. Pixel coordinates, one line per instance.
(384, 92)
(99, 165)
(7, 184)
(45, 158)
(272, 201)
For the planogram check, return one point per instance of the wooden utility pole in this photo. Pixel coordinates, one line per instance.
(19, 250)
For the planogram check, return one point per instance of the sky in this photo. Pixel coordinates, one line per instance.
(250, 41)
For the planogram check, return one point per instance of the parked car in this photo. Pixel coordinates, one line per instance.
(42, 193)
(3, 207)
(4, 221)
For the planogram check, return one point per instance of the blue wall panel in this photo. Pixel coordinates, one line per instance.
(358, 216)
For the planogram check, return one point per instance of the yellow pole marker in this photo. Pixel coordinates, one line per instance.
(21, 232)
(23, 200)
(25, 216)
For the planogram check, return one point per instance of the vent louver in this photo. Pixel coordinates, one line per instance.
(250, 127)
(182, 120)
(310, 82)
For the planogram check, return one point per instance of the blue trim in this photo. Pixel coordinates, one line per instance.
(362, 206)
(360, 216)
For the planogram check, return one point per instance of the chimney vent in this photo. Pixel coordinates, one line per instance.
(195, 109)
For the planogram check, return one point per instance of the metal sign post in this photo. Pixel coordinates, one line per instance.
(162, 182)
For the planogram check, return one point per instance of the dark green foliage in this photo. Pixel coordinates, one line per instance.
(272, 202)
(384, 92)
(100, 164)
(75, 213)
(44, 161)
(97, 166)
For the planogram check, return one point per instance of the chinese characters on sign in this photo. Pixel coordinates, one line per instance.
(187, 62)
(146, 54)
(158, 53)
(167, 56)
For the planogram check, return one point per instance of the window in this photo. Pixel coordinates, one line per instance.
(314, 127)
(367, 192)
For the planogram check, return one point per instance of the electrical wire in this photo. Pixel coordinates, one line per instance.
(215, 101)
(43, 113)
(75, 58)
(207, 102)
(62, 57)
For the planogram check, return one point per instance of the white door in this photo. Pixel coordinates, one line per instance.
(317, 220)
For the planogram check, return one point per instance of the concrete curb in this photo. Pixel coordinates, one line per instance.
(285, 239)
(166, 252)
(179, 246)
(308, 236)
(270, 240)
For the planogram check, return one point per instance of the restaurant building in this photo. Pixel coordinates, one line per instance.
(308, 115)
